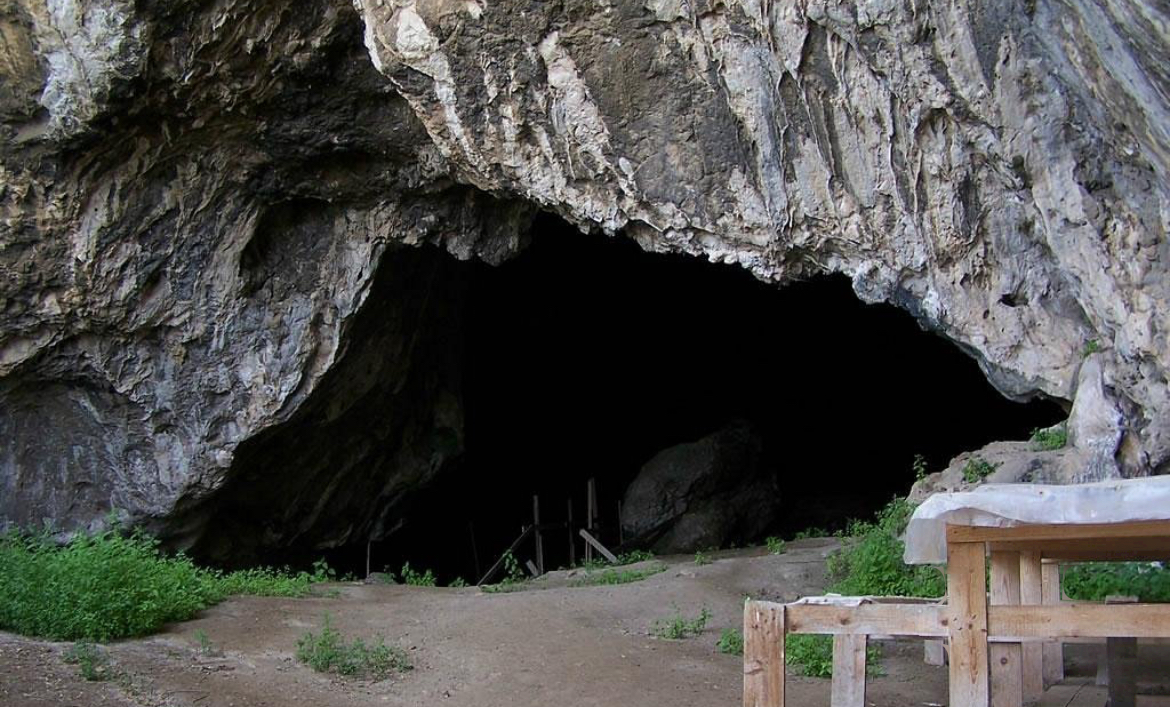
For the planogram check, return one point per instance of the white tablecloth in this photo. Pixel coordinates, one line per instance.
(1006, 505)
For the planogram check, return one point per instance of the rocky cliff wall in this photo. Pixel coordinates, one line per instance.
(195, 198)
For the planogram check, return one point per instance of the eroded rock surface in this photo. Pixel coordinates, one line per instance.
(195, 199)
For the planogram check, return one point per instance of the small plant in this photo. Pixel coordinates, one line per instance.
(629, 558)
(813, 532)
(701, 558)
(90, 661)
(1092, 346)
(812, 655)
(614, 576)
(977, 469)
(919, 467)
(206, 646)
(776, 546)
(1050, 439)
(458, 583)
(678, 627)
(730, 642)
(413, 578)
(512, 569)
(328, 652)
(871, 563)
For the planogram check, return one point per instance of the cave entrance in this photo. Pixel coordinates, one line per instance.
(584, 356)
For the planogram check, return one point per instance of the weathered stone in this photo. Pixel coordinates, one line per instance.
(195, 199)
(693, 496)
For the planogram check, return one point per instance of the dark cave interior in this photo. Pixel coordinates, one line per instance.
(584, 356)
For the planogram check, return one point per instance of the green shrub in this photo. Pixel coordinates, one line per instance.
(678, 627)
(1093, 581)
(614, 576)
(109, 586)
(776, 546)
(701, 558)
(1050, 439)
(977, 469)
(730, 642)
(414, 578)
(871, 563)
(812, 532)
(328, 652)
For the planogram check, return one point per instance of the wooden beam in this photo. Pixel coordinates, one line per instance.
(1006, 661)
(848, 671)
(597, 544)
(572, 543)
(763, 654)
(967, 624)
(1079, 621)
(500, 562)
(923, 620)
(539, 537)
(1053, 650)
(1062, 531)
(1032, 654)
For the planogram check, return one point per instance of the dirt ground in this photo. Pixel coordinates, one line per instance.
(551, 644)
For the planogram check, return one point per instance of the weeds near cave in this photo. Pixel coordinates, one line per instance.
(730, 642)
(701, 558)
(776, 546)
(1050, 439)
(612, 576)
(977, 469)
(108, 586)
(90, 660)
(678, 627)
(414, 578)
(328, 652)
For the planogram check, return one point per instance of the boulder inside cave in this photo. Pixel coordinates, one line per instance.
(586, 358)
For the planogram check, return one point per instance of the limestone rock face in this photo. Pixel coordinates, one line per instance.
(197, 199)
(692, 496)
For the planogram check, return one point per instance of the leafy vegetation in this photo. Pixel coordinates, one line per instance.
(328, 652)
(871, 563)
(812, 655)
(776, 546)
(90, 660)
(1050, 439)
(615, 576)
(513, 577)
(678, 627)
(701, 558)
(730, 642)
(919, 467)
(1092, 346)
(1093, 581)
(977, 469)
(811, 532)
(109, 586)
(414, 578)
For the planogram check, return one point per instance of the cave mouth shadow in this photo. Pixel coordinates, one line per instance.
(584, 356)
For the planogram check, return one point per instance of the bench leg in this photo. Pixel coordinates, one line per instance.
(967, 624)
(763, 655)
(1032, 653)
(848, 671)
(1053, 650)
(1007, 687)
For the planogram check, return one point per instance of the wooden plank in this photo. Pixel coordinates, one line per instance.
(763, 654)
(596, 544)
(1032, 654)
(1053, 650)
(539, 537)
(500, 562)
(1089, 549)
(1058, 531)
(1121, 662)
(1006, 661)
(967, 624)
(848, 671)
(1080, 621)
(924, 620)
(532, 568)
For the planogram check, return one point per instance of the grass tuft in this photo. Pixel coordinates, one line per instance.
(730, 642)
(328, 652)
(678, 627)
(615, 576)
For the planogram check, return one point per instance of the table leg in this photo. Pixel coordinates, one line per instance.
(1053, 650)
(967, 624)
(1007, 688)
(763, 655)
(1032, 653)
(848, 671)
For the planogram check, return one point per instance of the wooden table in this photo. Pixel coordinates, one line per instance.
(996, 654)
(997, 640)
